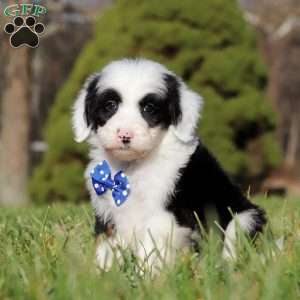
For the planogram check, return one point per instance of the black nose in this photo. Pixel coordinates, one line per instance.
(126, 140)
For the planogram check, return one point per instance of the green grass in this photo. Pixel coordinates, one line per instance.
(47, 253)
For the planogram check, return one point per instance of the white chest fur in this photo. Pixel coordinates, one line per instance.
(143, 217)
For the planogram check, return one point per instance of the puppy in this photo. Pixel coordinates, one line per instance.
(142, 119)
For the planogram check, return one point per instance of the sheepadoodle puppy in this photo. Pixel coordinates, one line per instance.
(150, 178)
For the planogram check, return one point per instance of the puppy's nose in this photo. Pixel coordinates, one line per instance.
(125, 136)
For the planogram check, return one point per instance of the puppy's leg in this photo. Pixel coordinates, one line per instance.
(107, 244)
(153, 252)
(105, 253)
(161, 242)
(251, 221)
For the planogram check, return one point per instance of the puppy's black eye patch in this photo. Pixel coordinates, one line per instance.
(151, 104)
(100, 107)
(110, 106)
(163, 110)
(154, 110)
(108, 102)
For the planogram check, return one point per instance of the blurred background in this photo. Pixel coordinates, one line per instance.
(242, 56)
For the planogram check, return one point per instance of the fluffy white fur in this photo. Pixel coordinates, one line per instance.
(242, 221)
(151, 163)
(143, 216)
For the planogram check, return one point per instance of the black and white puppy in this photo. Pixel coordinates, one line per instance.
(142, 119)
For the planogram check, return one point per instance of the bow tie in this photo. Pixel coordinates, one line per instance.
(101, 179)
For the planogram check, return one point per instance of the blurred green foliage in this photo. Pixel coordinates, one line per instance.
(206, 42)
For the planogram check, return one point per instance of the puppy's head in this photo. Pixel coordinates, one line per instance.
(130, 105)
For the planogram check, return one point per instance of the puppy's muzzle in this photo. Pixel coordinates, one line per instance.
(125, 136)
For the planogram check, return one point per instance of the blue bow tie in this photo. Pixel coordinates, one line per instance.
(101, 179)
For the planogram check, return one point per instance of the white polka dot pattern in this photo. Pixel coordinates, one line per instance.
(101, 180)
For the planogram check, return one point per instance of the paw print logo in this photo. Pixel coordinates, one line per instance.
(24, 32)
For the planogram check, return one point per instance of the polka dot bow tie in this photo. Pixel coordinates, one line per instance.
(101, 179)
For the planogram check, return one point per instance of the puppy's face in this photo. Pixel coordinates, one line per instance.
(128, 108)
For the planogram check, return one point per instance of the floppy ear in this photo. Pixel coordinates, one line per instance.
(190, 105)
(80, 124)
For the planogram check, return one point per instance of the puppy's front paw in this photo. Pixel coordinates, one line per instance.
(104, 256)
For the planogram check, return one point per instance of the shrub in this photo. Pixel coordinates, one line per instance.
(207, 43)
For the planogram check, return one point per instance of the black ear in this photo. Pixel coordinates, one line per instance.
(184, 108)
(91, 96)
(81, 109)
(173, 98)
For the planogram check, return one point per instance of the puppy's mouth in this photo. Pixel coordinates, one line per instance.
(119, 148)
(125, 153)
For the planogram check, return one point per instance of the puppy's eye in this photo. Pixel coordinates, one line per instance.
(110, 106)
(150, 108)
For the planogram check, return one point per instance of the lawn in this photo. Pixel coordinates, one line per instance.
(47, 253)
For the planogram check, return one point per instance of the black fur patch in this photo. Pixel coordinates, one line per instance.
(173, 98)
(102, 227)
(99, 108)
(162, 111)
(259, 221)
(154, 110)
(204, 186)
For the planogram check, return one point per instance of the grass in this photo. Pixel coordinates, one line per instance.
(48, 253)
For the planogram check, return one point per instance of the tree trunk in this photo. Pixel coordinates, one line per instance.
(15, 120)
(293, 144)
(278, 22)
(284, 90)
